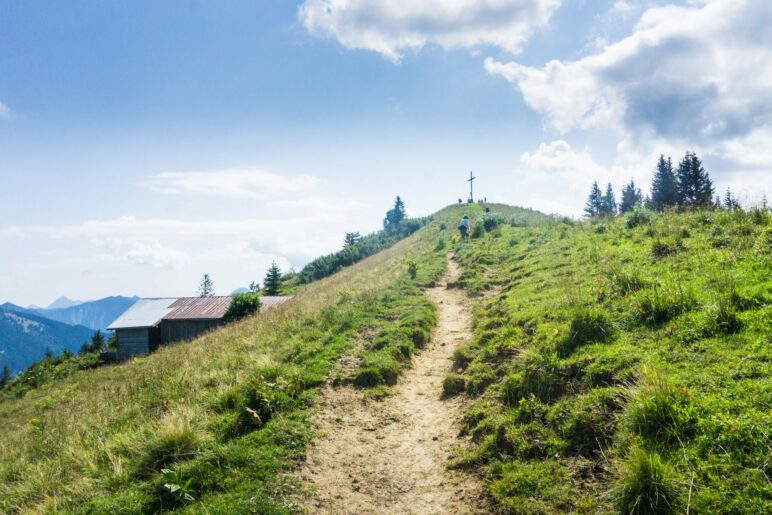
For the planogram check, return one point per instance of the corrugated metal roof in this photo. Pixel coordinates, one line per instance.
(199, 308)
(150, 312)
(143, 313)
(270, 302)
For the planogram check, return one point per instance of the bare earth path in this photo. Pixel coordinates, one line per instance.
(390, 456)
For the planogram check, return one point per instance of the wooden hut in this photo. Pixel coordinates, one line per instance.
(150, 323)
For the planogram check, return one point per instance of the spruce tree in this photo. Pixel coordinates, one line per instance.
(594, 205)
(5, 376)
(609, 207)
(273, 280)
(85, 348)
(394, 216)
(206, 287)
(664, 186)
(351, 238)
(730, 201)
(97, 342)
(695, 189)
(630, 197)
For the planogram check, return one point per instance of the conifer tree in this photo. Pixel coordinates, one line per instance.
(695, 189)
(97, 342)
(352, 238)
(394, 216)
(85, 348)
(630, 197)
(206, 287)
(664, 186)
(594, 205)
(5, 376)
(273, 280)
(730, 201)
(609, 207)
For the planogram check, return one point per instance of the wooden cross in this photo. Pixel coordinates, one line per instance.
(471, 188)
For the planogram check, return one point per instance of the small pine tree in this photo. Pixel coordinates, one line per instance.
(254, 287)
(85, 348)
(394, 216)
(664, 186)
(49, 353)
(352, 238)
(609, 202)
(206, 287)
(594, 205)
(273, 280)
(5, 376)
(695, 189)
(730, 201)
(97, 342)
(631, 196)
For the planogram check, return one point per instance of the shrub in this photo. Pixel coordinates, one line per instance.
(412, 268)
(261, 398)
(588, 325)
(443, 226)
(659, 304)
(718, 237)
(440, 245)
(453, 384)
(763, 242)
(638, 216)
(657, 409)
(491, 220)
(242, 305)
(478, 231)
(646, 484)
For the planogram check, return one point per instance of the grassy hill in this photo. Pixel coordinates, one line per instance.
(613, 363)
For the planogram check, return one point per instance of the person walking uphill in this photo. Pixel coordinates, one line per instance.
(463, 227)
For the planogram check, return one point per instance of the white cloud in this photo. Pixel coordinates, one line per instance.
(4, 111)
(237, 183)
(701, 73)
(391, 27)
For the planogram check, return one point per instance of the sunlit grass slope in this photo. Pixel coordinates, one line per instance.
(209, 426)
(622, 365)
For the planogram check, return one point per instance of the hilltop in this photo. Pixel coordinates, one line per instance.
(621, 364)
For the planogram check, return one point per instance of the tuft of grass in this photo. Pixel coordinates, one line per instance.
(173, 438)
(662, 303)
(538, 374)
(646, 485)
(452, 385)
(665, 247)
(657, 409)
(588, 325)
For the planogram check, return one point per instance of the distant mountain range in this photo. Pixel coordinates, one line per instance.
(24, 338)
(96, 314)
(26, 333)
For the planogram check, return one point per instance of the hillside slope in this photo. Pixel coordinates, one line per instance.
(613, 365)
(623, 365)
(25, 337)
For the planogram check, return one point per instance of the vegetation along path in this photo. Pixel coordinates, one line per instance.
(390, 456)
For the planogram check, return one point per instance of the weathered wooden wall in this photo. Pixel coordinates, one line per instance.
(132, 342)
(178, 330)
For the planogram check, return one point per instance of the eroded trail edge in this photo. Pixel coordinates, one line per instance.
(390, 456)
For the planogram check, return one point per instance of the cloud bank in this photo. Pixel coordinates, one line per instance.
(700, 73)
(392, 27)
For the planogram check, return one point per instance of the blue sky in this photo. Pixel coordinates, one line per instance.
(145, 143)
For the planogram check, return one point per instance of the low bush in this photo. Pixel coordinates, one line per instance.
(646, 485)
(638, 216)
(662, 248)
(242, 305)
(492, 220)
(478, 231)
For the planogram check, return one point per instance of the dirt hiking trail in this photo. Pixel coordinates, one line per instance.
(390, 456)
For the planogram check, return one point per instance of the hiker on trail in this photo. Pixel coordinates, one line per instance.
(463, 227)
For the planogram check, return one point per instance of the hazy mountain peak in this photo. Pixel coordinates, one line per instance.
(63, 302)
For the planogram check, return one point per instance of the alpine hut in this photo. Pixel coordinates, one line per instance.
(150, 323)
